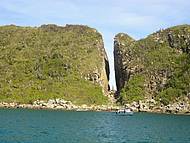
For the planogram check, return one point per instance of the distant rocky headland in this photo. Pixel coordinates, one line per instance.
(154, 70)
(56, 67)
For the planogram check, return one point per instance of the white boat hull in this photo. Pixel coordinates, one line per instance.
(124, 112)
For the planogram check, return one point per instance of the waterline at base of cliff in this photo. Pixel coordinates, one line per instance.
(141, 106)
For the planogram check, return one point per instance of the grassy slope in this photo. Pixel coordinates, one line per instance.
(49, 62)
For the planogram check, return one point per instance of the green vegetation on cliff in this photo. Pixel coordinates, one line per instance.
(52, 62)
(133, 90)
(163, 59)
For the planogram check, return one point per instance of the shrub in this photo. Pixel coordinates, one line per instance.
(133, 90)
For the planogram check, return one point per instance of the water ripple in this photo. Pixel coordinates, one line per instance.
(43, 126)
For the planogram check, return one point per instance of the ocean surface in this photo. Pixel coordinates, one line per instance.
(47, 126)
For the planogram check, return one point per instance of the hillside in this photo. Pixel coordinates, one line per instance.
(53, 62)
(156, 67)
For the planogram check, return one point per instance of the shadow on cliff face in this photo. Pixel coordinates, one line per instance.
(121, 41)
(107, 71)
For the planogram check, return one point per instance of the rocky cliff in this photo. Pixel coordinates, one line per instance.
(52, 61)
(156, 67)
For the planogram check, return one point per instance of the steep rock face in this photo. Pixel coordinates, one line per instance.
(154, 67)
(122, 73)
(53, 61)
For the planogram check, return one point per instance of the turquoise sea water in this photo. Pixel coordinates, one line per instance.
(46, 126)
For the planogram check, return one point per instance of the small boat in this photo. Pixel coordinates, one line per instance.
(125, 111)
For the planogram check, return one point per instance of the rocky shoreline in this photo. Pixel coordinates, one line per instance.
(151, 105)
(140, 106)
(59, 104)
